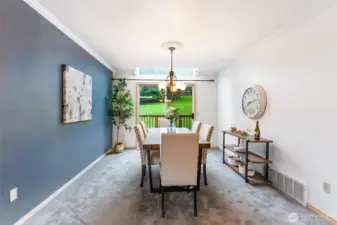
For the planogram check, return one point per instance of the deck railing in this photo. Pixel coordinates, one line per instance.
(152, 121)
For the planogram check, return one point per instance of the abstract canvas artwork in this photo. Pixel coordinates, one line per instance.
(77, 95)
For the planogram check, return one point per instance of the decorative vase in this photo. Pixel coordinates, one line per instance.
(118, 148)
(171, 122)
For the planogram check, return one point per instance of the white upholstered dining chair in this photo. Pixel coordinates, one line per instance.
(155, 155)
(206, 132)
(144, 128)
(179, 164)
(196, 127)
(164, 122)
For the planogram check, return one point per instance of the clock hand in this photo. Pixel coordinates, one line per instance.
(251, 102)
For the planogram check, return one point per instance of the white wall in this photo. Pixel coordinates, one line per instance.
(298, 69)
(206, 104)
(206, 110)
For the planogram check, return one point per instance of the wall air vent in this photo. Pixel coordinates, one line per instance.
(293, 188)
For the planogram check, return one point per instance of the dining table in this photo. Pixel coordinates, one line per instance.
(152, 143)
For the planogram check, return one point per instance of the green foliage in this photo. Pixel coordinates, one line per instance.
(121, 106)
(184, 104)
(150, 95)
(172, 113)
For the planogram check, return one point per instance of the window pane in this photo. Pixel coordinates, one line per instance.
(165, 71)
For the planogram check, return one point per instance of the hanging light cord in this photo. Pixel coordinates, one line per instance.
(171, 49)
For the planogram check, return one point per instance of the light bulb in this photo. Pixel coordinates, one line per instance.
(181, 86)
(162, 86)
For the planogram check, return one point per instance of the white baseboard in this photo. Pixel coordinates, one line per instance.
(40, 206)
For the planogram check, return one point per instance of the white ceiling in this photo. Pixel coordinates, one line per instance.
(128, 33)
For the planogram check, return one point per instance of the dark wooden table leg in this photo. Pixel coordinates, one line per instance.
(266, 174)
(199, 168)
(223, 147)
(246, 163)
(150, 171)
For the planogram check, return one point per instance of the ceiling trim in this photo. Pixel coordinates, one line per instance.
(63, 28)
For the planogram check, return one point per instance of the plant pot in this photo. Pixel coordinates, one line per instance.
(118, 148)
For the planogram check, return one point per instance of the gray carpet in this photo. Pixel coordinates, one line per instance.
(109, 194)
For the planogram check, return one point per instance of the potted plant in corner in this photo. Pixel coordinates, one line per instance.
(120, 110)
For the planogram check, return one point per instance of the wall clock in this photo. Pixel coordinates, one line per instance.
(254, 102)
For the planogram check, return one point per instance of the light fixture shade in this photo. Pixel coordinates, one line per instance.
(174, 44)
(178, 86)
(181, 86)
(162, 86)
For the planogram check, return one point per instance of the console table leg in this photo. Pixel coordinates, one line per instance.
(266, 174)
(246, 164)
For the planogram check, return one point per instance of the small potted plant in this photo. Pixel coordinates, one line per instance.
(172, 114)
(121, 108)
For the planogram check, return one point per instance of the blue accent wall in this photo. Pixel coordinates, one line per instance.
(38, 154)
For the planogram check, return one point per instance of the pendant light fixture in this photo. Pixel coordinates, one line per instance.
(170, 80)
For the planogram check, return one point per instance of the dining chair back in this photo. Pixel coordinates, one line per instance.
(206, 132)
(179, 164)
(196, 127)
(164, 122)
(140, 140)
(179, 159)
(144, 128)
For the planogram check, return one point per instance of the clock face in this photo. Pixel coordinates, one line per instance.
(254, 102)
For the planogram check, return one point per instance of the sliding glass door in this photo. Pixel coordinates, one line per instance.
(152, 105)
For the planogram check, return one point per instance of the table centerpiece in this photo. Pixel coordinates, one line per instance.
(172, 114)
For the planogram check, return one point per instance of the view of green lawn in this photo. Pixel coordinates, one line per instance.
(184, 103)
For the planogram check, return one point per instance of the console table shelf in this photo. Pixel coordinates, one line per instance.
(256, 179)
(249, 157)
(252, 157)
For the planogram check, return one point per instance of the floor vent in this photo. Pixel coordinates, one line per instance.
(288, 185)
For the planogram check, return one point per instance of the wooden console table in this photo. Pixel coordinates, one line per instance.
(249, 157)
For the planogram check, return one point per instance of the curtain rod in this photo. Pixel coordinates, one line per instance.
(160, 80)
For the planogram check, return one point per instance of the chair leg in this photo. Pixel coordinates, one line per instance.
(205, 174)
(162, 203)
(195, 201)
(144, 166)
(143, 175)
